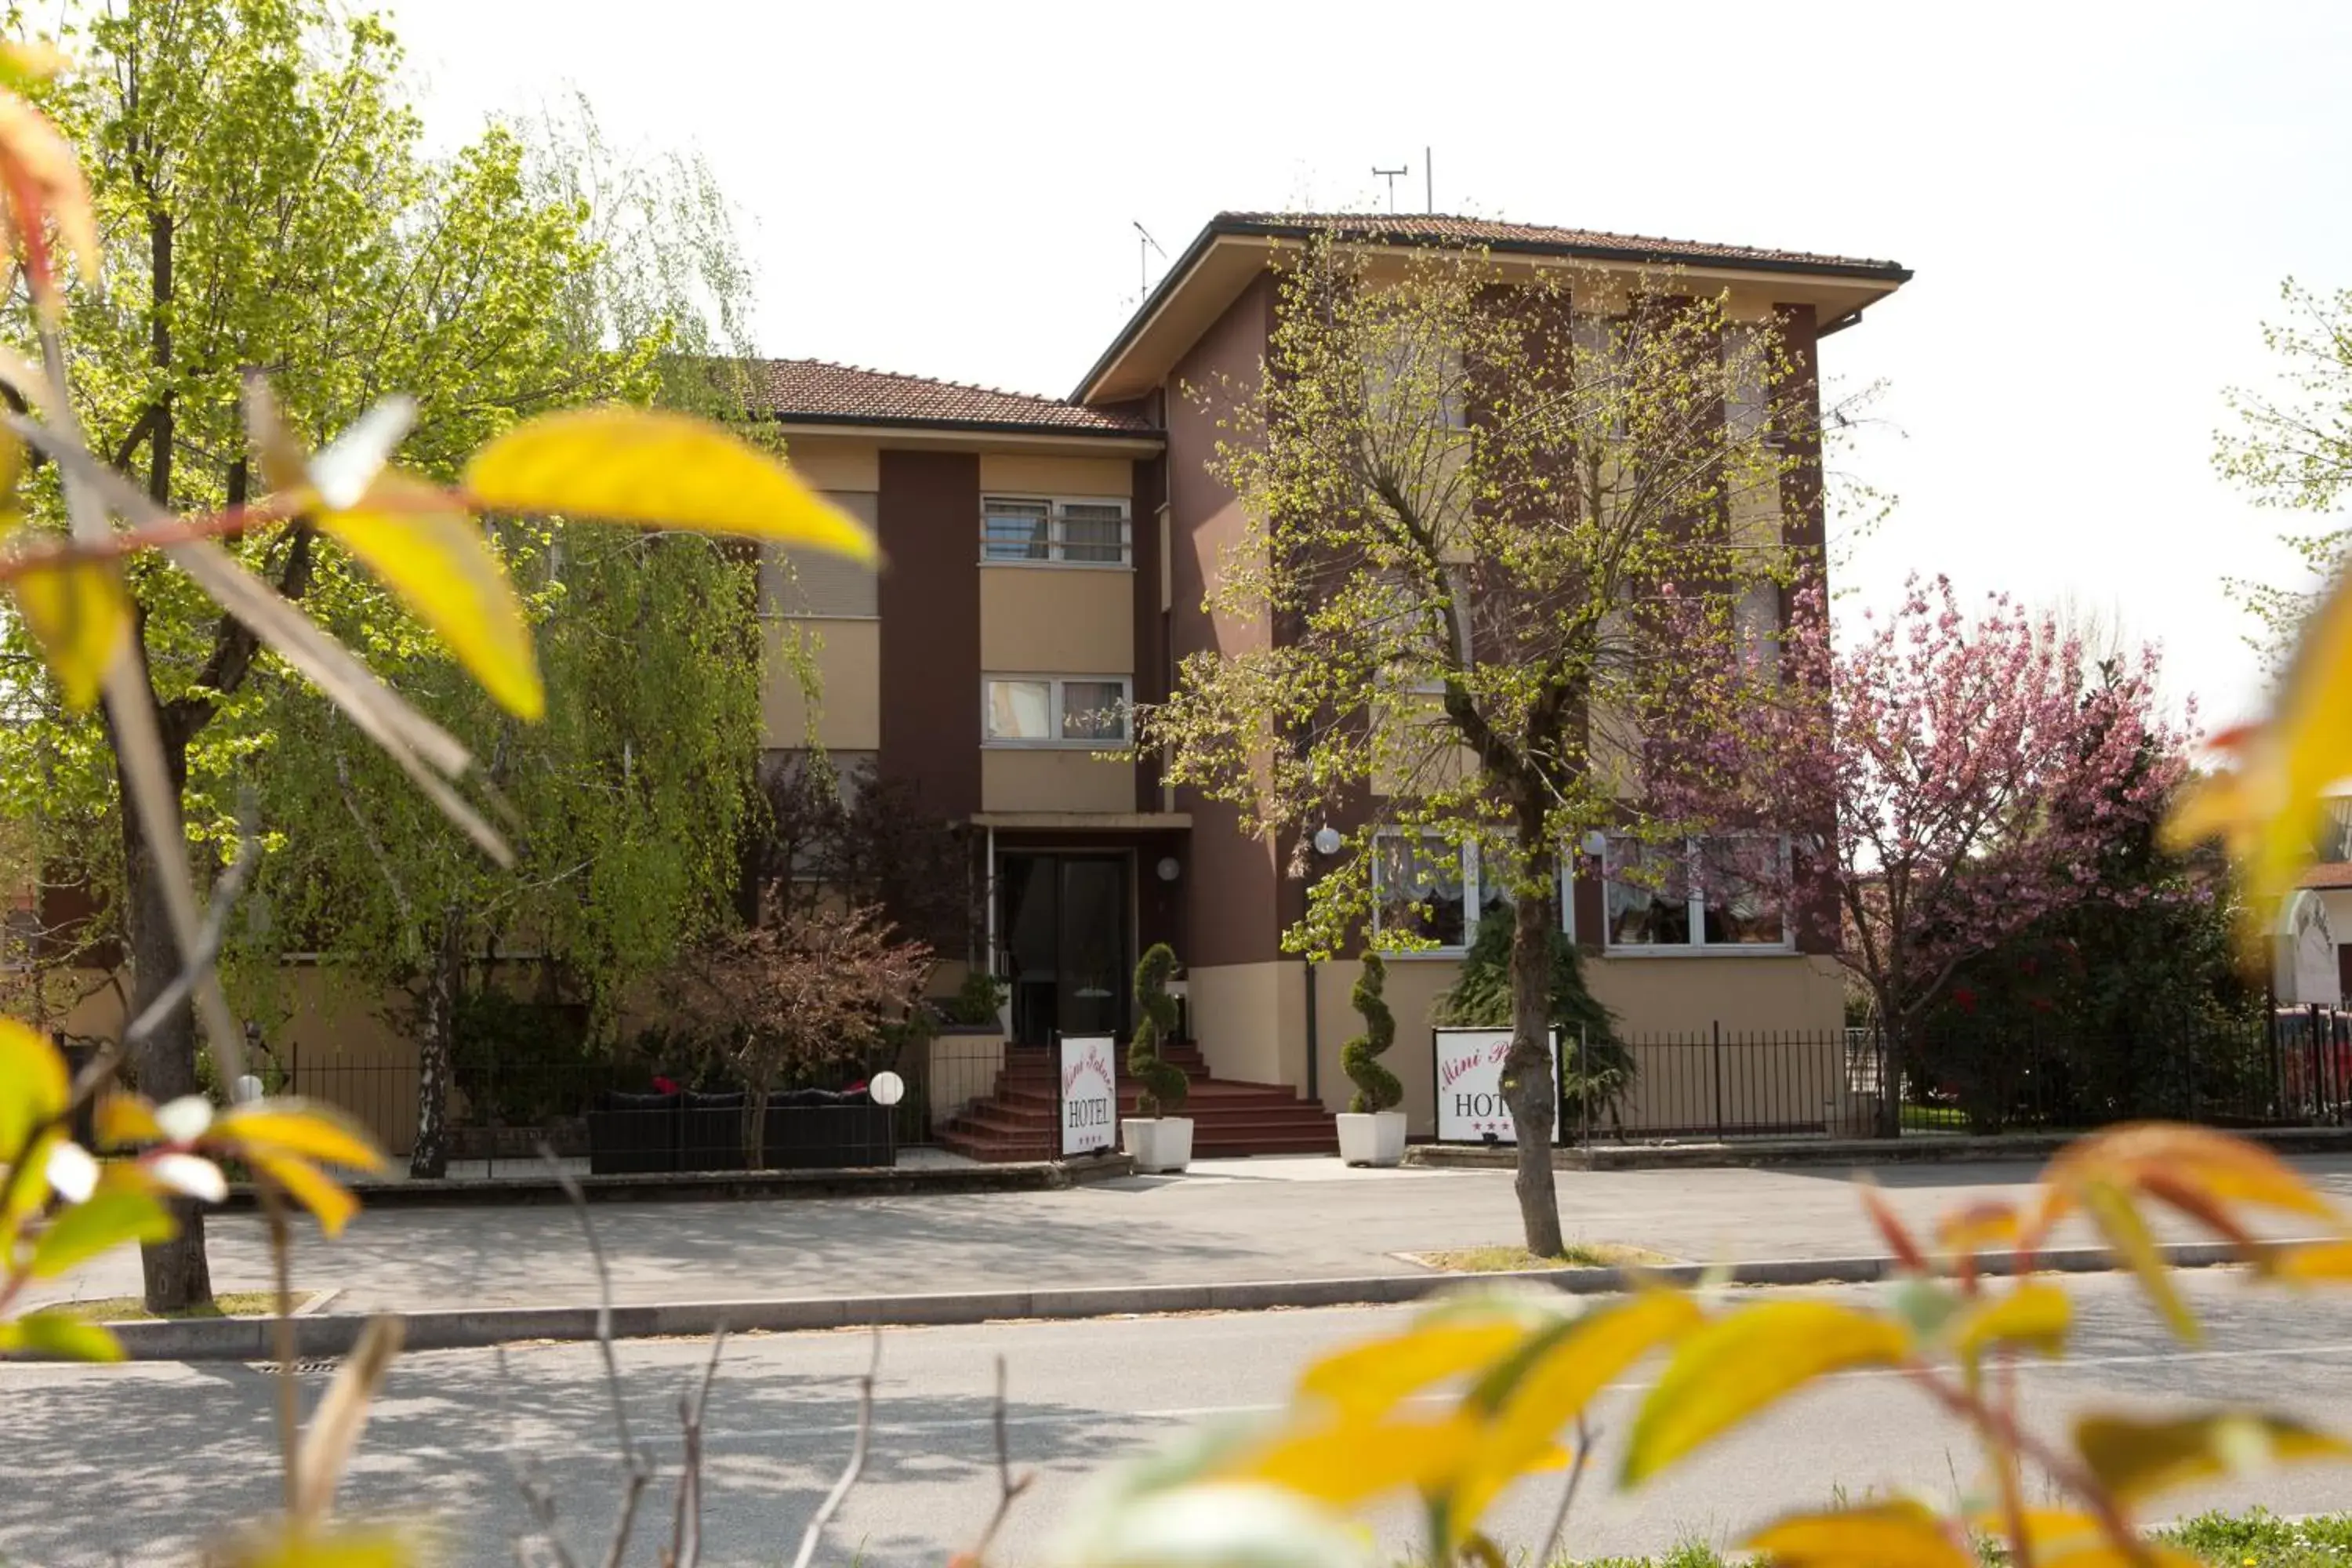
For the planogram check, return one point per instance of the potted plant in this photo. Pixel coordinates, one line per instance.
(1371, 1129)
(1153, 1139)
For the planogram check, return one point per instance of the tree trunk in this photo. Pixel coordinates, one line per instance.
(755, 1134)
(176, 1275)
(1529, 1085)
(429, 1157)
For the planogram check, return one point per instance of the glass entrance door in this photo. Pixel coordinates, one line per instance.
(1064, 927)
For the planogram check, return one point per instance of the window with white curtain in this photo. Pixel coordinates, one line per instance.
(1440, 892)
(1047, 530)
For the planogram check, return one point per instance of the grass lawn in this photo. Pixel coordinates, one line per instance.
(131, 1309)
(2256, 1540)
(1504, 1260)
(1942, 1118)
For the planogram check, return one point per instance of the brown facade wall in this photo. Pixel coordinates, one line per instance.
(928, 522)
(1235, 882)
(1150, 658)
(1805, 524)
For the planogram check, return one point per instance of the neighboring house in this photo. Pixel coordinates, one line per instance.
(1047, 561)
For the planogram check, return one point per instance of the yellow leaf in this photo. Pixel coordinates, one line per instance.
(671, 470)
(79, 614)
(431, 553)
(2269, 812)
(34, 1084)
(2319, 1261)
(2036, 1315)
(1744, 1363)
(2128, 1236)
(291, 1546)
(1456, 1337)
(1979, 1228)
(122, 1119)
(304, 1127)
(106, 1221)
(2135, 1458)
(55, 1335)
(2046, 1529)
(1350, 1462)
(1892, 1535)
(327, 1199)
(26, 61)
(2107, 1554)
(1540, 1392)
(2222, 1166)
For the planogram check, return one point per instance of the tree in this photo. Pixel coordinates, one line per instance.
(2292, 451)
(261, 201)
(792, 997)
(1377, 1088)
(1495, 519)
(1980, 773)
(866, 840)
(631, 798)
(1599, 1070)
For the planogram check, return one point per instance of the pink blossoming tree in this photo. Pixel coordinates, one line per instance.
(1948, 780)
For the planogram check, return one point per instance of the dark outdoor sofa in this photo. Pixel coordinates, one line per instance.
(805, 1129)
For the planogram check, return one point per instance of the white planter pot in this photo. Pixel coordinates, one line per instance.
(1161, 1144)
(1374, 1138)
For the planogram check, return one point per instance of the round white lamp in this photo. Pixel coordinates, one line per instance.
(886, 1088)
(1326, 840)
(1170, 868)
(246, 1091)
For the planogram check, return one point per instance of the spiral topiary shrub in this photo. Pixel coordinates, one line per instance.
(1377, 1088)
(1161, 1085)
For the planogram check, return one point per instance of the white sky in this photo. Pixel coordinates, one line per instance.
(2099, 202)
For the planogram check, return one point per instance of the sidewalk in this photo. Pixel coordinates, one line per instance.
(1228, 1221)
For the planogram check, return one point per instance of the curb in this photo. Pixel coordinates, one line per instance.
(250, 1339)
(700, 1187)
(1913, 1149)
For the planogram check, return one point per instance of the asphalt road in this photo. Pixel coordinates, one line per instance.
(138, 1463)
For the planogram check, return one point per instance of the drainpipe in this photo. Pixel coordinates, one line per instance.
(1314, 1050)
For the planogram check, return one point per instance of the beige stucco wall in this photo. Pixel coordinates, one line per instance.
(1056, 620)
(1046, 778)
(838, 465)
(1021, 473)
(848, 659)
(1249, 1019)
(1690, 995)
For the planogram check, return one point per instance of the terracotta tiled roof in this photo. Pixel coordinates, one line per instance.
(817, 391)
(2331, 874)
(1416, 228)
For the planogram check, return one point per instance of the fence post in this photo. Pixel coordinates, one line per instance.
(1584, 1077)
(1719, 1079)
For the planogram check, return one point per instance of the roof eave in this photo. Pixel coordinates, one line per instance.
(1893, 275)
(974, 426)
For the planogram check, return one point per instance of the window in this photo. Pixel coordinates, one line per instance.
(1047, 711)
(1054, 531)
(801, 584)
(1427, 888)
(1699, 893)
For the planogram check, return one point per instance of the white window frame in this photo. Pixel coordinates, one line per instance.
(1695, 915)
(1056, 742)
(1473, 893)
(1056, 531)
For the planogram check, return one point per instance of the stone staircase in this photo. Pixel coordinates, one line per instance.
(1016, 1121)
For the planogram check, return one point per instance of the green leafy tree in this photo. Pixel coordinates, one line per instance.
(1493, 521)
(2291, 450)
(1161, 1087)
(1377, 1088)
(263, 201)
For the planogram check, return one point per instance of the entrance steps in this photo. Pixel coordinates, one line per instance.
(1016, 1121)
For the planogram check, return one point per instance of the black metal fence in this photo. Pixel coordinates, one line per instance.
(2293, 1068)
(629, 1116)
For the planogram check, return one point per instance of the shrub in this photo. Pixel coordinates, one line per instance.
(1376, 1088)
(976, 1001)
(1162, 1085)
(1597, 1069)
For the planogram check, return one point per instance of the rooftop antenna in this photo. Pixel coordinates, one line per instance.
(1143, 250)
(1428, 182)
(1392, 176)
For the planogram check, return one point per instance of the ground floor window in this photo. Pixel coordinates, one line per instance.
(1721, 891)
(1425, 887)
